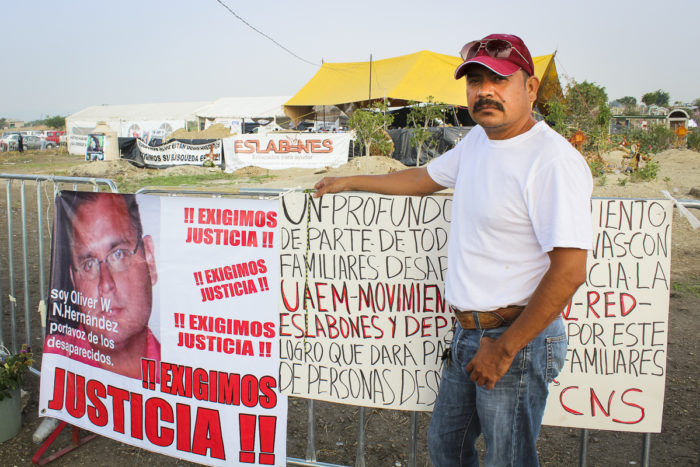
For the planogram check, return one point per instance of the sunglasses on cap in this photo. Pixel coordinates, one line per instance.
(495, 48)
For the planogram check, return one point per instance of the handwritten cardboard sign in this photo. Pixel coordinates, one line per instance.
(362, 309)
(617, 323)
(363, 318)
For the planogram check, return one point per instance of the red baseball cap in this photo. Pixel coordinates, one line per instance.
(504, 54)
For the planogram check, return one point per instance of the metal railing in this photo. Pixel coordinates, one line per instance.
(46, 186)
(40, 290)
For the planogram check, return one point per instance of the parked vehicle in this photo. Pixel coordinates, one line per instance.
(28, 141)
(53, 135)
(9, 141)
(38, 142)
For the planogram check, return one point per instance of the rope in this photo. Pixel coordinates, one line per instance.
(306, 262)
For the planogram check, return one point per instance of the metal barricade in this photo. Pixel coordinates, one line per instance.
(33, 251)
(36, 293)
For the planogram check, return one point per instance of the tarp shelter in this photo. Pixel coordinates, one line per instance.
(145, 121)
(232, 112)
(411, 77)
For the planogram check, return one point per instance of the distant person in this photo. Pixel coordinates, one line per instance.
(105, 257)
(20, 143)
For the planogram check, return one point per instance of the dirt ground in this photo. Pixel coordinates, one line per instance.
(387, 438)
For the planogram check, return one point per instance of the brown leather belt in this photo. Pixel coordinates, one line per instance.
(487, 319)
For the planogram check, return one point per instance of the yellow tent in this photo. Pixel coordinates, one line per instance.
(412, 77)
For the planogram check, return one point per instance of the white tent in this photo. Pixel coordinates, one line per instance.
(145, 121)
(232, 112)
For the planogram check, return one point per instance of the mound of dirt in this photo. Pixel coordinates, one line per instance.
(679, 172)
(370, 165)
(614, 157)
(216, 131)
(251, 171)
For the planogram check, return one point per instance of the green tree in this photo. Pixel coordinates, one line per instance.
(662, 98)
(584, 109)
(627, 100)
(587, 106)
(3, 122)
(558, 116)
(58, 122)
(369, 126)
(629, 103)
(420, 117)
(658, 97)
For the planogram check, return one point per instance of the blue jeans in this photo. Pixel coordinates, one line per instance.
(509, 415)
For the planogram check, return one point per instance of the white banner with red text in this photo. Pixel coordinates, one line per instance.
(363, 318)
(287, 150)
(162, 327)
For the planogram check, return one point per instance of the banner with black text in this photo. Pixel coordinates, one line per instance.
(179, 153)
(363, 318)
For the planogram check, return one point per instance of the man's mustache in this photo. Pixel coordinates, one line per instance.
(481, 103)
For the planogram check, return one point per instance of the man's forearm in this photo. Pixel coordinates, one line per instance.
(566, 273)
(414, 181)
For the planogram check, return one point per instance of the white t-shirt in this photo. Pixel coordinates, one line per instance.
(514, 201)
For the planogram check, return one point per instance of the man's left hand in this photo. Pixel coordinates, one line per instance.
(489, 364)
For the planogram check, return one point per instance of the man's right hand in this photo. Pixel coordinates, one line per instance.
(331, 185)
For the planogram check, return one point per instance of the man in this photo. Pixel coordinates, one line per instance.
(517, 253)
(112, 272)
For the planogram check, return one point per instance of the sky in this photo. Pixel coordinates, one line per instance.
(62, 56)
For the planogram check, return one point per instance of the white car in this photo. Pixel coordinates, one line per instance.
(9, 142)
(28, 142)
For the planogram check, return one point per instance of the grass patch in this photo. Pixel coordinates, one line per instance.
(261, 178)
(176, 180)
(647, 173)
(127, 185)
(690, 286)
(201, 181)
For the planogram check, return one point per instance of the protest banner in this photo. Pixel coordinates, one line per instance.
(77, 144)
(148, 130)
(179, 153)
(617, 323)
(287, 150)
(94, 150)
(162, 327)
(362, 313)
(363, 318)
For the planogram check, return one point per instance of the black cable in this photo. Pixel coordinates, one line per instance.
(265, 35)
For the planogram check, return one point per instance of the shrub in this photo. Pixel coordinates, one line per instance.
(596, 167)
(655, 139)
(12, 369)
(647, 173)
(694, 139)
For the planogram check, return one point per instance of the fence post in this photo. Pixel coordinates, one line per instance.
(360, 452)
(583, 451)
